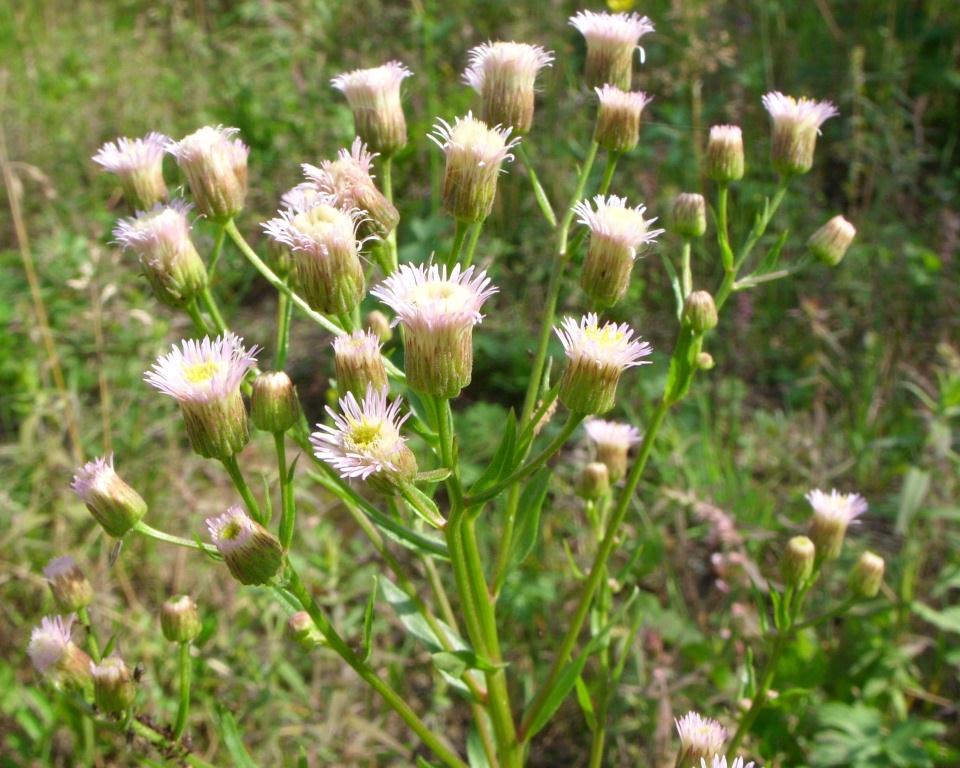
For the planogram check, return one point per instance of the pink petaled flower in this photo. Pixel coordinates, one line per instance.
(59, 566)
(232, 530)
(803, 111)
(504, 74)
(251, 552)
(215, 143)
(203, 371)
(720, 761)
(316, 225)
(613, 221)
(608, 346)
(214, 161)
(612, 27)
(836, 506)
(611, 40)
(365, 439)
(700, 737)
(374, 98)
(612, 433)
(95, 476)
(300, 197)
(125, 155)
(162, 224)
(613, 98)
(50, 641)
(471, 142)
(796, 125)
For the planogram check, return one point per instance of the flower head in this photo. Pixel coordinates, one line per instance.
(831, 241)
(832, 513)
(596, 357)
(273, 402)
(374, 98)
(618, 119)
(113, 686)
(359, 364)
(69, 585)
(251, 552)
(866, 577)
(504, 75)
(49, 641)
(724, 159)
(720, 761)
(611, 39)
(180, 619)
(161, 240)
(214, 161)
(613, 441)
(796, 125)
(689, 217)
(365, 441)
(138, 164)
(700, 737)
(474, 156)
(113, 503)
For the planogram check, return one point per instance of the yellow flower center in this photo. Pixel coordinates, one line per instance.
(446, 295)
(606, 337)
(365, 435)
(231, 531)
(200, 372)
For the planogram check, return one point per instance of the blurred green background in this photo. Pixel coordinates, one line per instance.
(846, 377)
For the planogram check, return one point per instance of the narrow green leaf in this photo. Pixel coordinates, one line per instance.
(674, 282)
(586, 704)
(683, 364)
(368, 621)
(916, 484)
(771, 258)
(267, 510)
(233, 740)
(948, 619)
(502, 462)
(434, 475)
(528, 517)
(476, 755)
(293, 467)
(424, 763)
(108, 648)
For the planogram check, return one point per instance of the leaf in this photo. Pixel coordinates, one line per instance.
(458, 662)
(502, 461)
(683, 364)
(476, 754)
(586, 704)
(267, 512)
(528, 517)
(674, 283)
(434, 475)
(772, 257)
(368, 621)
(916, 483)
(233, 741)
(108, 648)
(424, 763)
(948, 619)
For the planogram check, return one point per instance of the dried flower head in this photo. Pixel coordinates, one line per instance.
(204, 377)
(374, 98)
(796, 125)
(251, 552)
(359, 364)
(613, 441)
(215, 164)
(617, 234)
(326, 254)
(348, 183)
(597, 356)
(504, 75)
(138, 164)
(832, 513)
(700, 738)
(611, 40)
(475, 154)
(113, 686)
(160, 238)
(69, 585)
(365, 441)
(437, 310)
(724, 159)
(831, 241)
(618, 118)
(113, 503)
(55, 656)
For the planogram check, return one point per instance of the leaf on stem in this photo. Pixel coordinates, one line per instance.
(267, 512)
(368, 621)
(586, 705)
(528, 518)
(433, 476)
(233, 741)
(503, 461)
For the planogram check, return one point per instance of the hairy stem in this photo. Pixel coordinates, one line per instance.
(236, 475)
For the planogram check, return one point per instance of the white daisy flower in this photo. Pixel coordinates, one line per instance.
(832, 513)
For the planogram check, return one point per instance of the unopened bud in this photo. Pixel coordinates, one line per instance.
(724, 158)
(70, 588)
(689, 215)
(705, 361)
(251, 552)
(594, 481)
(504, 75)
(304, 631)
(215, 164)
(358, 363)
(796, 565)
(796, 125)
(618, 118)
(700, 312)
(831, 241)
(612, 40)
(113, 686)
(113, 503)
(374, 98)
(273, 402)
(379, 324)
(867, 575)
(180, 620)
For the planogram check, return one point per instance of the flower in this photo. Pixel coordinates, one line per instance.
(54, 654)
(180, 619)
(326, 254)
(475, 154)
(597, 356)
(831, 241)
(113, 686)
(618, 118)
(70, 588)
(832, 513)
(348, 183)
(365, 441)
(160, 238)
(437, 310)
(374, 97)
(113, 503)
(204, 377)
(700, 312)
(796, 125)
(611, 39)
(251, 552)
(720, 761)
(700, 737)
(617, 233)
(613, 441)
(138, 163)
(594, 481)
(504, 75)
(724, 157)
(358, 363)
(215, 164)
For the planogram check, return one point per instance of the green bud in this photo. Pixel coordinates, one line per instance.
(251, 552)
(180, 620)
(830, 243)
(302, 629)
(797, 562)
(217, 428)
(594, 481)
(113, 686)
(705, 361)
(379, 324)
(867, 575)
(689, 215)
(273, 403)
(700, 312)
(724, 157)
(70, 588)
(113, 503)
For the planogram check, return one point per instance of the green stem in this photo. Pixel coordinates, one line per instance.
(459, 235)
(217, 250)
(392, 256)
(233, 469)
(686, 274)
(198, 322)
(288, 514)
(608, 170)
(599, 565)
(546, 401)
(167, 538)
(213, 310)
(542, 200)
(759, 698)
(284, 310)
(389, 695)
(472, 243)
(183, 710)
(92, 644)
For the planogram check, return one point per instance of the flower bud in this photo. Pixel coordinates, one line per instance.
(611, 41)
(618, 118)
(113, 686)
(180, 620)
(55, 655)
(796, 125)
(705, 361)
(594, 481)
(700, 312)
(250, 551)
(302, 629)
(374, 97)
(358, 363)
(724, 158)
(215, 164)
(138, 164)
(504, 75)
(796, 566)
(70, 588)
(474, 156)
(273, 402)
(830, 242)
(379, 324)
(689, 215)
(113, 503)
(867, 575)
(832, 513)
(612, 441)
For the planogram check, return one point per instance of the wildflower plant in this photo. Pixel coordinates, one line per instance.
(389, 452)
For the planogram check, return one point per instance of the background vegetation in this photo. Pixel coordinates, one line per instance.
(847, 378)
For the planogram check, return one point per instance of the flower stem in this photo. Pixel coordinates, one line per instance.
(542, 200)
(284, 310)
(217, 250)
(608, 170)
(472, 243)
(459, 235)
(685, 272)
(233, 469)
(168, 538)
(185, 667)
(213, 310)
(392, 256)
(199, 324)
(92, 643)
(288, 513)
